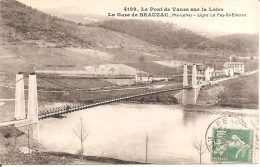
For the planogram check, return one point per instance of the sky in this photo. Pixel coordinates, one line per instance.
(248, 24)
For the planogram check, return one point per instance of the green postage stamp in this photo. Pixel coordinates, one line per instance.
(232, 145)
(233, 140)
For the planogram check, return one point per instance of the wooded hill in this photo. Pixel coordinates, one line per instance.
(240, 42)
(170, 36)
(20, 22)
(24, 23)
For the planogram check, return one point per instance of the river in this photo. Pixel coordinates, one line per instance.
(119, 131)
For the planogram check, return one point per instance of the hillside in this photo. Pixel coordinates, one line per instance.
(42, 156)
(170, 36)
(25, 23)
(240, 42)
(246, 97)
(20, 22)
(245, 43)
(167, 35)
(36, 39)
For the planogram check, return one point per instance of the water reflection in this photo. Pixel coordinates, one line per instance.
(190, 116)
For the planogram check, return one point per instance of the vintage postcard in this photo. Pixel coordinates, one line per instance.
(129, 82)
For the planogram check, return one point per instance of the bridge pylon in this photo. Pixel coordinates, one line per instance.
(189, 96)
(194, 76)
(185, 75)
(19, 97)
(185, 83)
(33, 111)
(31, 124)
(32, 99)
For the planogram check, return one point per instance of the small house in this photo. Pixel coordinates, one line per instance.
(220, 73)
(204, 73)
(143, 78)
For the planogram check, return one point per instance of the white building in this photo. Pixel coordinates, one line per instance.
(235, 67)
(143, 78)
(230, 72)
(220, 73)
(204, 73)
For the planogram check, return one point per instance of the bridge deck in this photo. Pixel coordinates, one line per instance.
(68, 109)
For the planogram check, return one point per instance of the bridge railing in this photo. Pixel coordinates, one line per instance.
(76, 107)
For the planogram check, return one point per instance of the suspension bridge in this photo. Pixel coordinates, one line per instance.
(68, 109)
(33, 115)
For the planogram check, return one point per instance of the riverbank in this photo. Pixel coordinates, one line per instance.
(57, 158)
(240, 92)
(14, 141)
(225, 111)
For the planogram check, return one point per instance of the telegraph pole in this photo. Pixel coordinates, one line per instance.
(146, 147)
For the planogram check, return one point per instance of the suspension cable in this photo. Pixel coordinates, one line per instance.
(13, 84)
(62, 82)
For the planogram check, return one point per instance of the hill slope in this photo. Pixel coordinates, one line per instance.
(20, 22)
(25, 23)
(240, 42)
(167, 35)
(170, 36)
(28, 31)
(31, 38)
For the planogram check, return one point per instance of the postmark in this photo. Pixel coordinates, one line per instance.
(233, 140)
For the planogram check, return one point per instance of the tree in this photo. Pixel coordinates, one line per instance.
(29, 131)
(81, 132)
(95, 67)
(112, 69)
(141, 61)
(169, 61)
(204, 61)
(200, 147)
(157, 99)
(175, 62)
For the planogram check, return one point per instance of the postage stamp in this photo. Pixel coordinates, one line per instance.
(232, 140)
(232, 145)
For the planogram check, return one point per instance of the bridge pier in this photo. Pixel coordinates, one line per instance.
(185, 83)
(29, 128)
(194, 76)
(31, 124)
(33, 111)
(189, 96)
(32, 99)
(19, 97)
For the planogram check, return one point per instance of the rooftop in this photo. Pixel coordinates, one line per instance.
(202, 68)
(219, 70)
(232, 63)
(143, 75)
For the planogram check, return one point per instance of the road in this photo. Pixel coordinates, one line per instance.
(236, 76)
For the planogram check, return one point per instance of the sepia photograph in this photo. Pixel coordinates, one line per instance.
(108, 82)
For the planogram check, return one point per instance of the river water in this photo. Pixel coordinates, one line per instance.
(119, 131)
